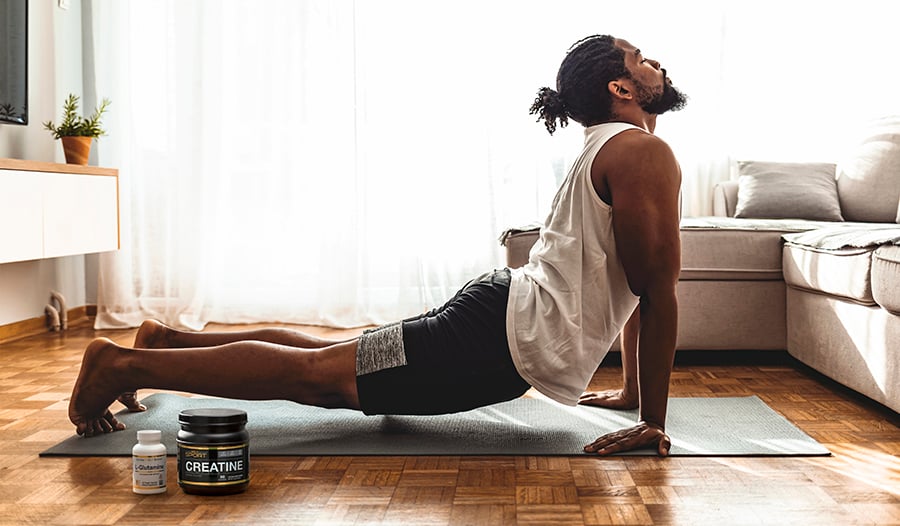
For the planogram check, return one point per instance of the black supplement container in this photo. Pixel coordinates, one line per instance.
(213, 451)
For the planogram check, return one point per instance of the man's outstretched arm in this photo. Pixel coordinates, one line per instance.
(644, 181)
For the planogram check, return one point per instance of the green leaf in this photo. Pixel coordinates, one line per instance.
(74, 125)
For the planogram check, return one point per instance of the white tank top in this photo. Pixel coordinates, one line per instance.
(570, 301)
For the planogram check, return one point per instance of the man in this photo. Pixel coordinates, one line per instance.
(608, 258)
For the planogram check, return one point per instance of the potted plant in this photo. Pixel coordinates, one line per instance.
(76, 132)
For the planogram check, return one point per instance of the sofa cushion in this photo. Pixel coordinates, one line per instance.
(868, 180)
(729, 254)
(886, 277)
(727, 248)
(843, 272)
(787, 190)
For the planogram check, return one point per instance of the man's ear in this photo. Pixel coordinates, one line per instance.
(619, 89)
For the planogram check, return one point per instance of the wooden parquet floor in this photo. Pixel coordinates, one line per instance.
(859, 484)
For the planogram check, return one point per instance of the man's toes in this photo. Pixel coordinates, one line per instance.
(81, 428)
(110, 420)
(130, 401)
(107, 423)
(104, 426)
(88, 430)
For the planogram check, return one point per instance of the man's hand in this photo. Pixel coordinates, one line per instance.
(611, 399)
(640, 436)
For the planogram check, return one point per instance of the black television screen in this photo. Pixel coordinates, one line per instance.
(14, 61)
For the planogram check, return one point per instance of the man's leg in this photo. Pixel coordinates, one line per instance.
(155, 335)
(251, 370)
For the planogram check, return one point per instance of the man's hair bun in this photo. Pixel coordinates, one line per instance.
(549, 106)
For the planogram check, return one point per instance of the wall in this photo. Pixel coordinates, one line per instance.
(54, 70)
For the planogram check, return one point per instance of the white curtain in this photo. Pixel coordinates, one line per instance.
(344, 162)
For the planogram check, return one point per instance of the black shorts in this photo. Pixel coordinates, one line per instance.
(453, 358)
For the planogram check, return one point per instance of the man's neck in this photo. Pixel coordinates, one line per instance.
(639, 118)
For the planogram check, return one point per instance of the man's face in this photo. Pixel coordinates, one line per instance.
(654, 91)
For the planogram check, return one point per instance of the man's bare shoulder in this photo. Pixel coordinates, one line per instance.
(634, 146)
(636, 156)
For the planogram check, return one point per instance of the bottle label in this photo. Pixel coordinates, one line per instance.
(213, 465)
(149, 472)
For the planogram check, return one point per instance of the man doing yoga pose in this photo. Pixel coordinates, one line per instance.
(606, 262)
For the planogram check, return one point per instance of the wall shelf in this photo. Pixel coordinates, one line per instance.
(50, 210)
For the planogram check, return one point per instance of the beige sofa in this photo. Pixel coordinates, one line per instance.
(840, 301)
(827, 291)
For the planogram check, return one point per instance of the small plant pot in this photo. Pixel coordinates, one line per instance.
(77, 149)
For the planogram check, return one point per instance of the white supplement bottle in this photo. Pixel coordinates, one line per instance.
(148, 461)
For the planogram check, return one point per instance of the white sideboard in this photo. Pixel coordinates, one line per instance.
(49, 210)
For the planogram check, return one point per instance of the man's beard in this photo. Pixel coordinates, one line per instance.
(671, 99)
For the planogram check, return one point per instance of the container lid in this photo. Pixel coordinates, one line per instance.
(212, 416)
(149, 435)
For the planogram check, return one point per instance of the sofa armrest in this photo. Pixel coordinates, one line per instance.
(725, 198)
(518, 243)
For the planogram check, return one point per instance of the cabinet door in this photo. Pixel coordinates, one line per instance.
(80, 214)
(21, 217)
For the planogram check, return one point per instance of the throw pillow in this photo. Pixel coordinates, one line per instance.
(869, 177)
(768, 190)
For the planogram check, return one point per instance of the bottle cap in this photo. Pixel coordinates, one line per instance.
(149, 435)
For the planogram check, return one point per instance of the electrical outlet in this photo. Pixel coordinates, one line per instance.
(63, 4)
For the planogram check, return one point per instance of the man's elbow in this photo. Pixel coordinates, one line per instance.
(663, 292)
(660, 289)
(657, 280)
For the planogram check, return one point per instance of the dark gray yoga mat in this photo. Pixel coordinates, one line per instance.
(526, 426)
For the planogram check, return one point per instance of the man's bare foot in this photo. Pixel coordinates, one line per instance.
(151, 335)
(98, 384)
